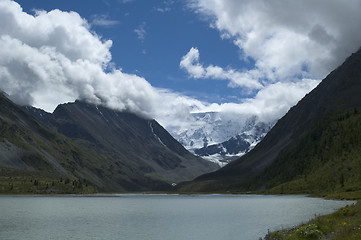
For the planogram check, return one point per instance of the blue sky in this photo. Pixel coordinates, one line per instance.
(166, 59)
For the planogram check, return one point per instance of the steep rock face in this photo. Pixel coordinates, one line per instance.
(31, 150)
(129, 140)
(338, 92)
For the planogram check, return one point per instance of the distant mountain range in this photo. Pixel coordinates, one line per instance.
(315, 147)
(111, 150)
(223, 153)
(220, 136)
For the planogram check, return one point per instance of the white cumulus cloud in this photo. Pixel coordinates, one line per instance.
(54, 57)
(294, 44)
(287, 38)
(190, 62)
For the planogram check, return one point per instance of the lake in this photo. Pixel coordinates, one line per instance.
(155, 217)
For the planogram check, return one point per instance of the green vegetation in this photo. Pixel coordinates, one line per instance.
(344, 224)
(15, 182)
(326, 159)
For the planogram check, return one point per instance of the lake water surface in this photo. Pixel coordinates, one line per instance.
(155, 217)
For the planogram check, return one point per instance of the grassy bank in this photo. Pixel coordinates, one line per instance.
(344, 224)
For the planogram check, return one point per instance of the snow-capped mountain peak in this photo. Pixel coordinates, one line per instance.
(220, 136)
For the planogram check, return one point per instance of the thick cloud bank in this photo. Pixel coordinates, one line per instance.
(287, 39)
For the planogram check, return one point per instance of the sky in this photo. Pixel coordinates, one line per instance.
(164, 59)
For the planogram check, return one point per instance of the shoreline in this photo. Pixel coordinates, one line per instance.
(282, 234)
(344, 223)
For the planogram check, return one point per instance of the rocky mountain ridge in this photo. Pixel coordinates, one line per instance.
(111, 150)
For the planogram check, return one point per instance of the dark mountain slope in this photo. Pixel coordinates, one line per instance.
(29, 150)
(337, 93)
(21, 140)
(129, 142)
(327, 158)
(110, 150)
